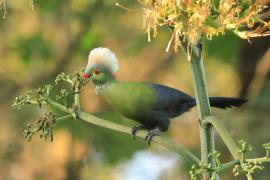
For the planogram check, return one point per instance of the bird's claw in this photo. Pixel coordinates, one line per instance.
(135, 129)
(133, 132)
(150, 135)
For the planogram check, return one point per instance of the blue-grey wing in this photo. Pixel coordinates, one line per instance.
(171, 100)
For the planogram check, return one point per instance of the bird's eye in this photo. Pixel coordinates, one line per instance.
(97, 71)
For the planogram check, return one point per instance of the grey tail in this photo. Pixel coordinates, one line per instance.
(226, 102)
(222, 102)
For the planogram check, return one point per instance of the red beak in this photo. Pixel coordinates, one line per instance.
(85, 75)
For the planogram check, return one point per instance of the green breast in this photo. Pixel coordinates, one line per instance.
(133, 100)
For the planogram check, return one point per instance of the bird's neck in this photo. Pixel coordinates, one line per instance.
(104, 86)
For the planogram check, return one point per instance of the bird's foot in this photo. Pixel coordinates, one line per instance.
(151, 134)
(135, 129)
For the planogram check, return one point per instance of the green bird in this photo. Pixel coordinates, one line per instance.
(152, 105)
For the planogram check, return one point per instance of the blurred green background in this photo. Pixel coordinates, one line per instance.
(36, 45)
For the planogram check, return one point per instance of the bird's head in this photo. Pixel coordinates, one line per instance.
(102, 66)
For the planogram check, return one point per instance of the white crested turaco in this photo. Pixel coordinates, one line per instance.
(152, 105)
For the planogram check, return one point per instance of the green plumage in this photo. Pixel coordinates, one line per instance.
(133, 100)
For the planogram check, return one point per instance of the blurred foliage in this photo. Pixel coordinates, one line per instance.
(34, 47)
(56, 36)
(225, 48)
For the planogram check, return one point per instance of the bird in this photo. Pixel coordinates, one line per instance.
(152, 105)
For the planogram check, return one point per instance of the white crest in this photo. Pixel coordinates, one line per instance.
(102, 56)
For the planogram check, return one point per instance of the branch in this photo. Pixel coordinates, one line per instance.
(224, 134)
(262, 160)
(194, 54)
(237, 161)
(226, 137)
(124, 129)
(228, 165)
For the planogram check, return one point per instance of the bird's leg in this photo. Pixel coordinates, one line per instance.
(151, 134)
(135, 129)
